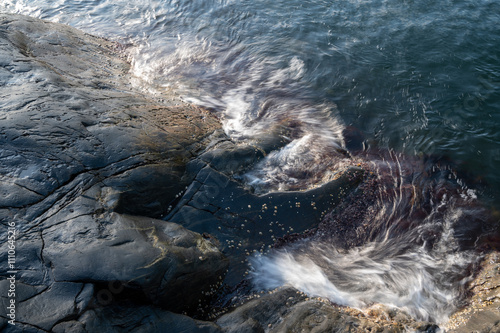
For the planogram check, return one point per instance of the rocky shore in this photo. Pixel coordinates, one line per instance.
(127, 216)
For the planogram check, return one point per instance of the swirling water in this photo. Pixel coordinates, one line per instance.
(416, 77)
(414, 281)
(413, 259)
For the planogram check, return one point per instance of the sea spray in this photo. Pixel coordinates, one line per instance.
(425, 285)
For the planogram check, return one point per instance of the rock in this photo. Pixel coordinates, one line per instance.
(158, 259)
(119, 318)
(244, 222)
(161, 259)
(228, 157)
(482, 314)
(43, 306)
(69, 109)
(81, 151)
(260, 313)
(141, 318)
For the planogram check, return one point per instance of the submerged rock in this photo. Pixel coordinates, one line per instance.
(379, 245)
(244, 222)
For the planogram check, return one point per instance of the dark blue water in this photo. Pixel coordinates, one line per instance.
(421, 78)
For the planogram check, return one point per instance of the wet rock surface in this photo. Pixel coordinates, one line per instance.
(482, 314)
(243, 222)
(81, 149)
(69, 112)
(129, 318)
(129, 209)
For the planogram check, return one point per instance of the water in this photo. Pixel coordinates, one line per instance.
(414, 281)
(418, 78)
(411, 258)
(421, 78)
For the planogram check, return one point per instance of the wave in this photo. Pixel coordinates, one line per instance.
(406, 247)
(261, 103)
(425, 285)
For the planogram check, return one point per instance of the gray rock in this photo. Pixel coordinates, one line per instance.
(69, 109)
(262, 312)
(228, 157)
(158, 257)
(119, 319)
(52, 305)
(43, 306)
(69, 326)
(80, 148)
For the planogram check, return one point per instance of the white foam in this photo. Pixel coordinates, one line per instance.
(423, 282)
(303, 274)
(360, 278)
(301, 164)
(260, 106)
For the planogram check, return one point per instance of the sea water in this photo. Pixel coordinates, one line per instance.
(420, 78)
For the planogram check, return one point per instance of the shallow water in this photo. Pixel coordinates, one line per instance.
(419, 78)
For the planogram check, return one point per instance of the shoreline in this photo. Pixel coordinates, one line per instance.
(90, 167)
